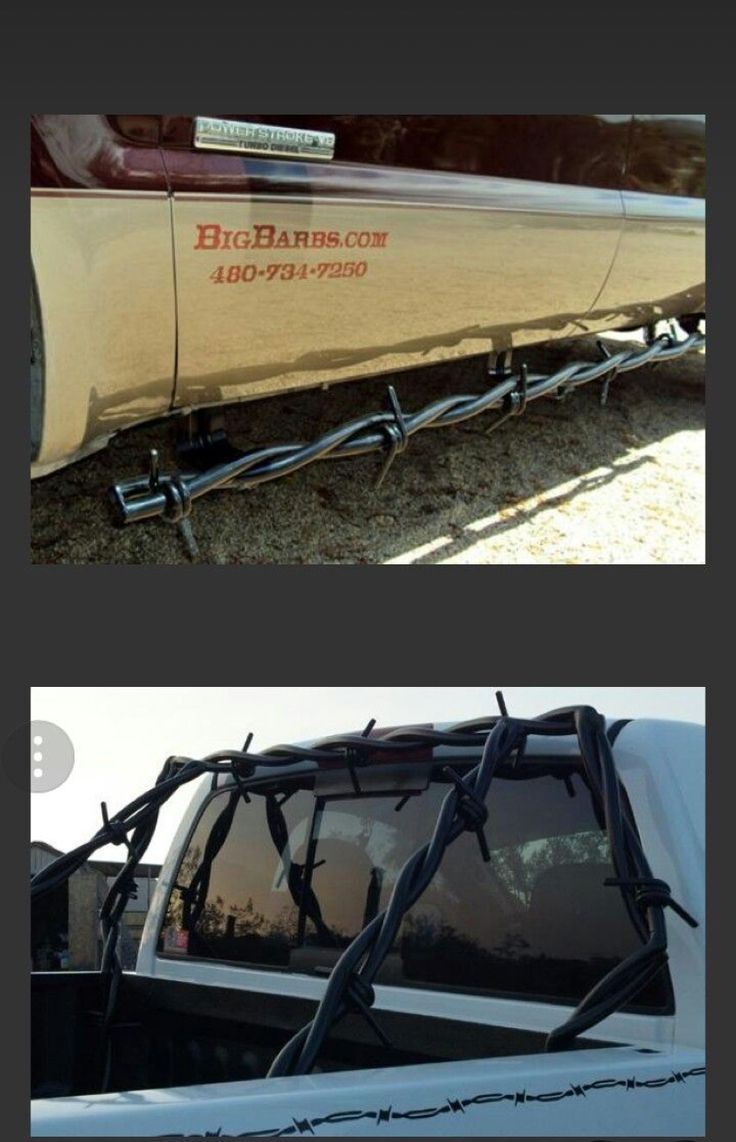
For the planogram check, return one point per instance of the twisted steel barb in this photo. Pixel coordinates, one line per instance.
(172, 495)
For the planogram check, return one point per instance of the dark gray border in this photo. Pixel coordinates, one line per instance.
(357, 625)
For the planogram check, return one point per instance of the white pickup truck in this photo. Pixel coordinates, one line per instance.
(516, 991)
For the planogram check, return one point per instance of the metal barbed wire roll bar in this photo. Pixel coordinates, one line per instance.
(171, 495)
(350, 985)
(242, 764)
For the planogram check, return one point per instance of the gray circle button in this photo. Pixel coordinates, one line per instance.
(51, 757)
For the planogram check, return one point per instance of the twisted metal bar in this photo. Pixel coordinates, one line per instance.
(142, 812)
(172, 495)
(463, 810)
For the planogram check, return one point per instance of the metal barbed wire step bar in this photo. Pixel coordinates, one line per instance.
(171, 495)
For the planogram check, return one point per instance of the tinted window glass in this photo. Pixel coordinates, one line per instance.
(287, 883)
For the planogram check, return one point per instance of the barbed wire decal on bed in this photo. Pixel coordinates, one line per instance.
(453, 1106)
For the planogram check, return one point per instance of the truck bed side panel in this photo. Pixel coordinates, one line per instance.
(616, 1091)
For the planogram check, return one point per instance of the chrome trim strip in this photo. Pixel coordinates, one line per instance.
(662, 207)
(610, 208)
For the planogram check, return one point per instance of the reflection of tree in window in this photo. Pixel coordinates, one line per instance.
(189, 865)
(519, 866)
(243, 916)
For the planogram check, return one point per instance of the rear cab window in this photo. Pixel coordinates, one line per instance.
(288, 879)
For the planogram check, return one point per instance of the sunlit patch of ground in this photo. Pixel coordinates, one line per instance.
(646, 507)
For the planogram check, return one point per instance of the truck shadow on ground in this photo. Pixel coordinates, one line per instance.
(516, 495)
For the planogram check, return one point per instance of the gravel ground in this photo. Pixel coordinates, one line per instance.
(569, 482)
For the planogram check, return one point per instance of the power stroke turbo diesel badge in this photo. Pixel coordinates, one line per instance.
(262, 139)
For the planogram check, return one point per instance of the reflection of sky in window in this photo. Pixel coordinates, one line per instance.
(375, 836)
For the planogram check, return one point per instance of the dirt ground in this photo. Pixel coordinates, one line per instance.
(569, 482)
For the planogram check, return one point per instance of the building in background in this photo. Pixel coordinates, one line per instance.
(146, 876)
(65, 922)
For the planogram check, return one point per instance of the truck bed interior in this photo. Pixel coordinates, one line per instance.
(169, 1033)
